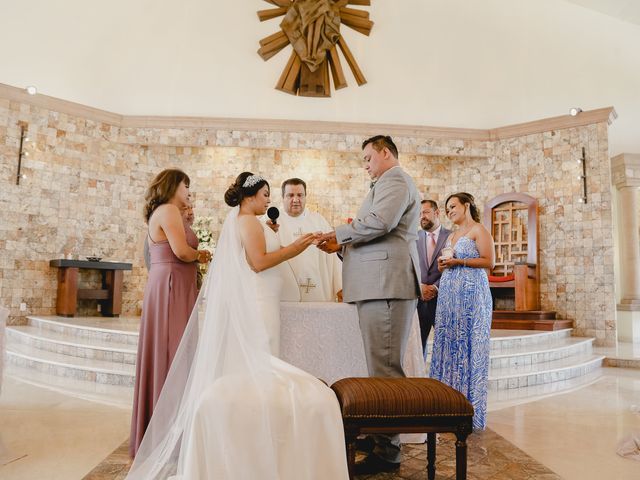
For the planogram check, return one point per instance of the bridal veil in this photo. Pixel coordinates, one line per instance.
(229, 409)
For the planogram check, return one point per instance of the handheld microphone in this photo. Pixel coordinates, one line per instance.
(273, 213)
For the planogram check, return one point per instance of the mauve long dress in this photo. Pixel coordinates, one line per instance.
(169, 297)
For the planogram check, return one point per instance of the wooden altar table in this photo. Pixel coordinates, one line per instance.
(109, 296)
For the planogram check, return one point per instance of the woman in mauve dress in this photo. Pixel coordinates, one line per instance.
(169, 295)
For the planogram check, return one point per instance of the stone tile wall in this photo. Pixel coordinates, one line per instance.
(86, 180)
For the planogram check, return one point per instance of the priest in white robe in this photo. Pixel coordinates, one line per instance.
(318, 275)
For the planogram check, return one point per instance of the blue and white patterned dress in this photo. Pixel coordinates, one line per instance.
(462, 330)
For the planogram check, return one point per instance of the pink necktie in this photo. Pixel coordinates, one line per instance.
(431, 246)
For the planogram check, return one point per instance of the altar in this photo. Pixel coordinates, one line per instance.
(324, 339)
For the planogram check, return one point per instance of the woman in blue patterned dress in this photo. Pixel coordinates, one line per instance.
(463, 316)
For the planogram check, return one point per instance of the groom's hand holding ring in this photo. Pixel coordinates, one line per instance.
(328, 243)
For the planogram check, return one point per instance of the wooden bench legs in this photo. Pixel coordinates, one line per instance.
(461, 456)
(461, 453)
(431, 456)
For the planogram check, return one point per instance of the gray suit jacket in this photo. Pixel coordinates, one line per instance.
(429, 273)
(380, 254)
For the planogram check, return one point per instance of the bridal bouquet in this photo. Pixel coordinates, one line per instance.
(202, 228)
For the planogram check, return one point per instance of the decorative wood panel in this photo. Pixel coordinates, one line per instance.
(510, 236)
(312, 28)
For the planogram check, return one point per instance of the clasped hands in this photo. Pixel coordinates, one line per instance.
(204, 256)
(446, 262)
(328, 243)
(428, 292)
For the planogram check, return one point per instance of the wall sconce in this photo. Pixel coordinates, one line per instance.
(583, 160)
(574, 111)
(22, 153)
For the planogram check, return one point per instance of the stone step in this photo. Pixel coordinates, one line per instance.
(541, 353)
(542, 373)
(513, 339)
(57, 364)
(113, 395)
(509, 340)
(509, 397)
(72, 345)
(122, 330)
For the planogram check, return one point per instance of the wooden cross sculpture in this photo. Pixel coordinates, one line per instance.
(312, 27)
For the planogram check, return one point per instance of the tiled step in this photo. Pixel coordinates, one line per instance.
(542, 373)
(122, 331)
(509, 340)
(102, 351)
(72, 345)
(113, 395)
(57, 364)
(541, 353)
(498, 399)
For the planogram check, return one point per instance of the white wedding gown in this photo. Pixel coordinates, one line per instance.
(244, 413)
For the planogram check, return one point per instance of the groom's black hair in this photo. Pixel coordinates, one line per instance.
(382, 141)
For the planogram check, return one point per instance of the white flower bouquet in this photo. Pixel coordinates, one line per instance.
(202, 228)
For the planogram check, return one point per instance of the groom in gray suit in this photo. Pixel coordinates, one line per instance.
(431, 238)
(381, 273)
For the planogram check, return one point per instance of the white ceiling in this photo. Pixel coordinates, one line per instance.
(449, 63)
(627, 10)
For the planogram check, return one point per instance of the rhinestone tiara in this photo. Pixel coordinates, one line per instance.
(251, 180)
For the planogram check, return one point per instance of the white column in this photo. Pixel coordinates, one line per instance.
(630, 247)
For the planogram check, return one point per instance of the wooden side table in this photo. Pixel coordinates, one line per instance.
(109, 296)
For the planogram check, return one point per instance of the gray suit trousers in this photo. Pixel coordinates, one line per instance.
(385, 326)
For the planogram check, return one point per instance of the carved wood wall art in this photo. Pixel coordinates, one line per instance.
(312, 27)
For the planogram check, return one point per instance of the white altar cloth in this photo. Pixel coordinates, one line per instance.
(324, 339)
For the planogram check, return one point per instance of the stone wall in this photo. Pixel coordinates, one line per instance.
(85, 181)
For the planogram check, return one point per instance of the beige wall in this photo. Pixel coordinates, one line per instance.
(86, 179)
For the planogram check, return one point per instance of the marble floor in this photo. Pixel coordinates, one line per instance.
(489, 456)
(45, 434)
(572, 435)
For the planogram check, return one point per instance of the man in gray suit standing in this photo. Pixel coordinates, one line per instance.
(381, 275)
(431, 239)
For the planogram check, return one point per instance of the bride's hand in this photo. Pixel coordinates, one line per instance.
(303, 241)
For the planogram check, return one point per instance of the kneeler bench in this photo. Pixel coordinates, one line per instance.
(405, 405)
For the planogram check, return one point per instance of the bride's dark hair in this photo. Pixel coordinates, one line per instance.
(237, 191)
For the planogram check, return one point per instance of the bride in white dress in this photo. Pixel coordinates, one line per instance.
(230, 409)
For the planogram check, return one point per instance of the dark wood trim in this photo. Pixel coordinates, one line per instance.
(109, 296)
(67, 292)
(528, 315)
(112, 282)
(63, 262)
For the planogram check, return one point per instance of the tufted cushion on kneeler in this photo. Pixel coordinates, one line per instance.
(406, 398)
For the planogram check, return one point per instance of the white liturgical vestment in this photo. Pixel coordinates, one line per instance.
(319, 275)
